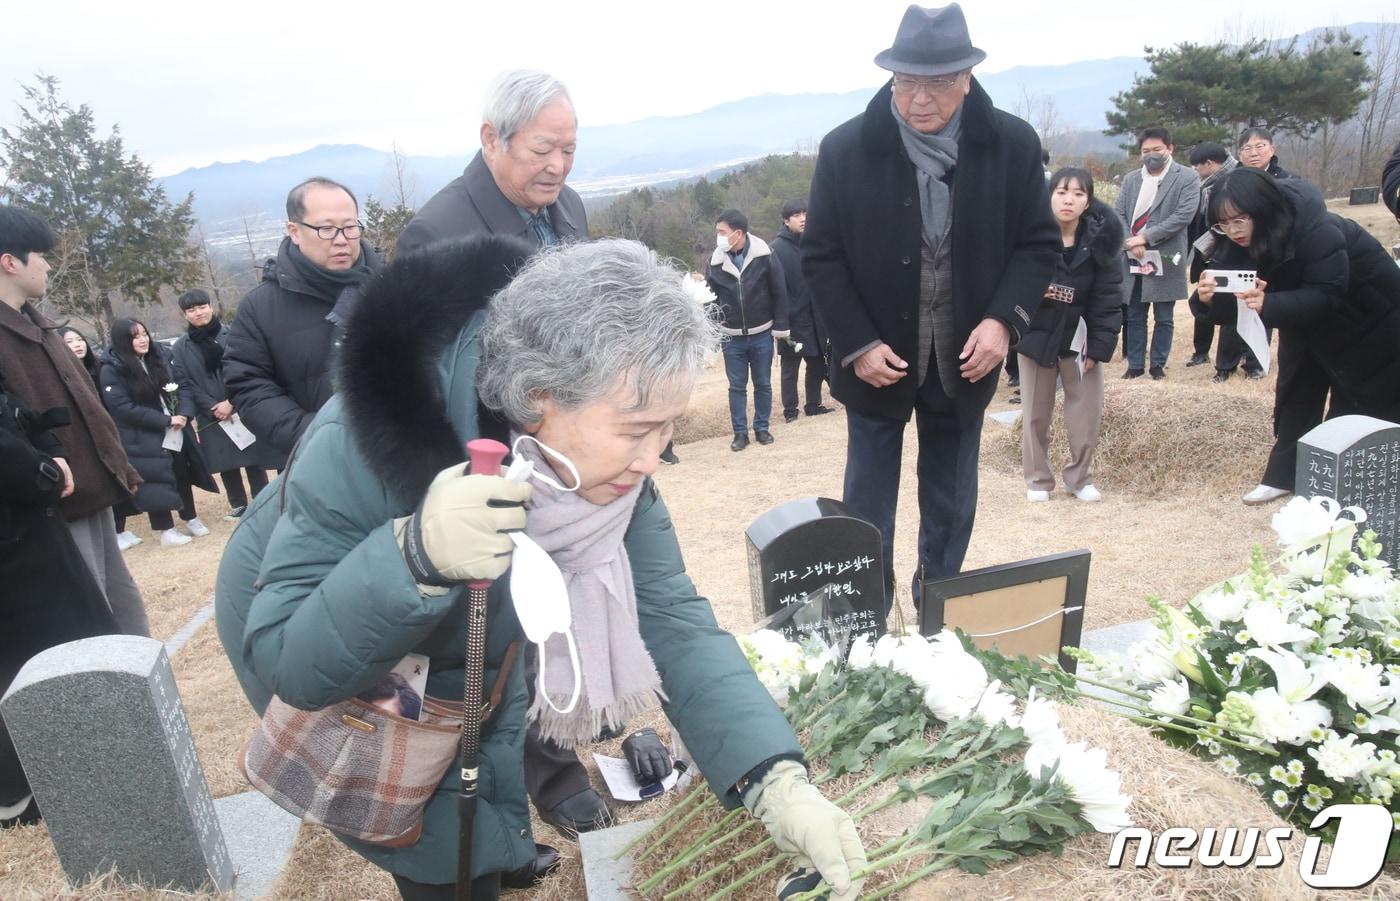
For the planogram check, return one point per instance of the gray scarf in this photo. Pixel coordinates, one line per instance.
(1204, 246)
(933, 156)
(619, 678)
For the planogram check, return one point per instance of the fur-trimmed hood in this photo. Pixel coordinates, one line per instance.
(390, 366)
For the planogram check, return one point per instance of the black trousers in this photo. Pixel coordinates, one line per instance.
(1299, 406)
(233, 484)
(161, 520)
(552, 774)
(816, 374)
(484, 888)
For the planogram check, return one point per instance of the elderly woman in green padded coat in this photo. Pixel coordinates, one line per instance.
(591, 350)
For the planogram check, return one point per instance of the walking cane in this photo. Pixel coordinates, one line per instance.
(486, 456)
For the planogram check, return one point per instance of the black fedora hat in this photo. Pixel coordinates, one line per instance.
(932, 41)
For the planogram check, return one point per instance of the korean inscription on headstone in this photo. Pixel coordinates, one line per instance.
(814, 551)
(1355, 460)
(107, 748)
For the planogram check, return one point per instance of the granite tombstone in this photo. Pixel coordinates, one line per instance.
(1355, 460)
(814, 567)
(106, 745)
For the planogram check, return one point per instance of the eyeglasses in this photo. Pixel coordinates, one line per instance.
(907, 84)
(328, 232)
(1258, 146)
(1238, 224)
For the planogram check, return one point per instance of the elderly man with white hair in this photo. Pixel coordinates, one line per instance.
(515, 184)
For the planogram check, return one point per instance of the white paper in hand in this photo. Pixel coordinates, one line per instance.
(622, 782)
(1253, 333)
(237, 432)
(174, 439)
(1078, 343)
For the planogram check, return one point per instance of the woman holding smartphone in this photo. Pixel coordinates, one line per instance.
(1330, 290)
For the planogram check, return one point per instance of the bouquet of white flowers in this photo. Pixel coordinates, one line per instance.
(1288, 674)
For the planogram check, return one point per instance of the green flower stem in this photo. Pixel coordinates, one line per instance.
(941, 863)
(718, 868)
(733, 887)
(696, 848)
(823, 890)
(1118, 688)
(676, 808)
(1175, 716)
(1158, 724)
(661, 842)
(900, 795)
(811, 718)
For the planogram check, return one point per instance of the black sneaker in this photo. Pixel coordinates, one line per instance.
(739, 443)
(669, 457)
(236, 512)
(1133, 374)
(1221, 375)
(1198, 360)
(789, 417)
(1157, 373)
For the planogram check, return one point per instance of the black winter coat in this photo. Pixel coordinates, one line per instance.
(1096, 273)
(142, 423)
(50, 594)
(205, 389)
(1390, 182)
(803, 325)
(753, 300)
(1335, 298)
(277, 366)
(861, 251)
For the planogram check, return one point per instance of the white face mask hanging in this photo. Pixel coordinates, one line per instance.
(537, 586)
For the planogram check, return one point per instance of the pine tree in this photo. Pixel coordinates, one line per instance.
(119, 236)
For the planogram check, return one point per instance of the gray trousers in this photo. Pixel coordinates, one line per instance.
(1083, 413)
(96, 538)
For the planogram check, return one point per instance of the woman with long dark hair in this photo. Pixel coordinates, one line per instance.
(87, 355)
(1330, 290)
(139, 390)
(1088, 288)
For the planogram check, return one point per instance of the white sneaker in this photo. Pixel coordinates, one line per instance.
(1088, 493)
(197, 528)
(1037, 496)
(127, 540)
(172, 538)
(1263, 494)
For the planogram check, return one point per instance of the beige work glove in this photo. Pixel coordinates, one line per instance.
(804, 823)
(458, 532)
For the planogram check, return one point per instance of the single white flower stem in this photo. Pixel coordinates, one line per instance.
(721, 866)
(941, 863)
(1175, 716)
(691, 854)
(675, 809)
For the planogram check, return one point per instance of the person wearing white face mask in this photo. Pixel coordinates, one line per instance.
(591, 351)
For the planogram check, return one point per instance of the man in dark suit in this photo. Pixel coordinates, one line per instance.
(929, 239)
(515, 184)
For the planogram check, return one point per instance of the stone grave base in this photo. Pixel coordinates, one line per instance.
(260, 836)
(604, 878)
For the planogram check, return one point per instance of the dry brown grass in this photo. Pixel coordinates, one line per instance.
(1171, 541)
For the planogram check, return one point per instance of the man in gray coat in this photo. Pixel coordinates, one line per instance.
(515, 183)
(1156, 204)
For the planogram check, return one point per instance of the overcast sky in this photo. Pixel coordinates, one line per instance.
(193, 83)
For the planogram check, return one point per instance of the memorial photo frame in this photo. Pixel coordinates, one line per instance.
(1032, 607)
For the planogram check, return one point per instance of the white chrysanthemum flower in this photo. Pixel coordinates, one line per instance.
(697, 291)
(996, 707)
(1296, 766)
(1269, 626)
(1224, 605)
(1280, 798)
(1040, 721)
(1229, 763)
(1313, 803)
(1171, 698)
(1254, 779)
(1093, 786)
(1279, 721)
(1360, 683)
(1341, 759)
(1364, 586)
(1151, 662)
(862, 653)
(170, 387)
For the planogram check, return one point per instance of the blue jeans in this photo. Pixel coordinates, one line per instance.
(745, 354)
(1135, 332)
(949, 438)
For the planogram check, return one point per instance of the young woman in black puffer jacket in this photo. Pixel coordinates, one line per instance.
(1087, 294)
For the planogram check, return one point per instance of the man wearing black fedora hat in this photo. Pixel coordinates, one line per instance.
(929, 239)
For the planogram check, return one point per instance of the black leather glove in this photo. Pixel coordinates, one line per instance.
(650, 760)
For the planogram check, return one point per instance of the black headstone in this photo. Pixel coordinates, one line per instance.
(1360, 196)
(814, 552)
(1355, 460)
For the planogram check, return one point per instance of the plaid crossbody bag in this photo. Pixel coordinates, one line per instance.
(356, 769)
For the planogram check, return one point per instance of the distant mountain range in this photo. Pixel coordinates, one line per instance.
(615, 158)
